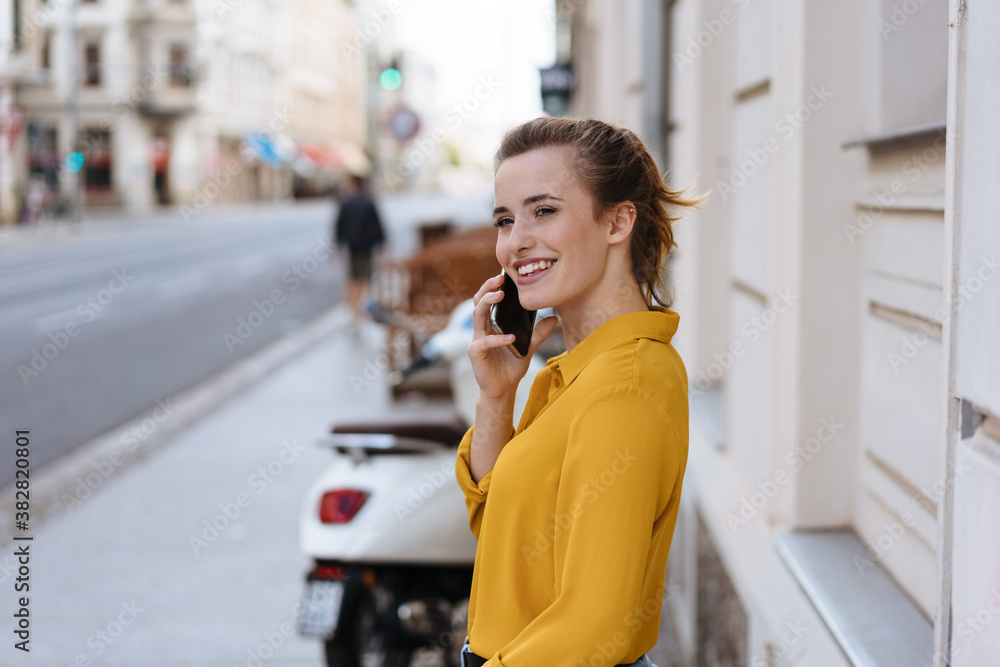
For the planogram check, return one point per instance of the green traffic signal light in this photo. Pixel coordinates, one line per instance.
(390, 79)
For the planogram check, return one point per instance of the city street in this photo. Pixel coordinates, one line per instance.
(176, 291)
(103, 325)
(113, 321)
(818, 410)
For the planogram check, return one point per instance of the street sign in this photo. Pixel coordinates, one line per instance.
(557, 87)
(403, 123)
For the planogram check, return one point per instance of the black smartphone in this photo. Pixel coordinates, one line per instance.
(509, 317)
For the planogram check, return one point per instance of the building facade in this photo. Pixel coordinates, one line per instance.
(839, 316)
(322, 75)
(9, 123)
(189, 102)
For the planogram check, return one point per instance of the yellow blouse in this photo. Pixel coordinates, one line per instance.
(574, 522)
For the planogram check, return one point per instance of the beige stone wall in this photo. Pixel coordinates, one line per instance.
(814, 286)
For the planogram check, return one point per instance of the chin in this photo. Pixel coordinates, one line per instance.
(534, 302)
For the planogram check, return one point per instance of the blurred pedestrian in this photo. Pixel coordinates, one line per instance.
(359, 229)
(575, 509)
(34, 199)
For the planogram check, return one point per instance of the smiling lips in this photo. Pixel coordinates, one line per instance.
(534, 268)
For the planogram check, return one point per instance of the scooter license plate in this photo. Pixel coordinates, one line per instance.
(320, 608)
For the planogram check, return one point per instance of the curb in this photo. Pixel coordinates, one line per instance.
(59, 480)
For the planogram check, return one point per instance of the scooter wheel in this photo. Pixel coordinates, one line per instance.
(373, 648)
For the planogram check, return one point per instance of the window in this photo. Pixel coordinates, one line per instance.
(97, 169)
(180, 70)
(92, 64)
(43, 152)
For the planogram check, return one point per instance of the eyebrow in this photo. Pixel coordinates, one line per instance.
(530, 200)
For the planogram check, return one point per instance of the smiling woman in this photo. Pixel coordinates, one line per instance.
(575, 509)
(584, 171)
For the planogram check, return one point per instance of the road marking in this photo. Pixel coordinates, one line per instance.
(171, 289)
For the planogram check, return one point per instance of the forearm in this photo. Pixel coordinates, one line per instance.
(493, 428)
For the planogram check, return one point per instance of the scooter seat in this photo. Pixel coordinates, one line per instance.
(445, 431)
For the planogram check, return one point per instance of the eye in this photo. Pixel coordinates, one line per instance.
(544, 210)
(503, 222)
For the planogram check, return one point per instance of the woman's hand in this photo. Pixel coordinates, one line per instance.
(496, 369)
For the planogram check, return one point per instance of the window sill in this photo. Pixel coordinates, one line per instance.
(882, 139)
(874, 621)
(905, 204)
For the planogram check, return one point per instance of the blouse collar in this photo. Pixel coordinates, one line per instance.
(658, 323)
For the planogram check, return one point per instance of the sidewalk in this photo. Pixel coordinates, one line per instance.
(122, 578)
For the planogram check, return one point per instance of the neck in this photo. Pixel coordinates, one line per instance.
(601, 305)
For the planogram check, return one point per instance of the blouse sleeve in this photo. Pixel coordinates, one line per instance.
(475, 494)
(622, 462)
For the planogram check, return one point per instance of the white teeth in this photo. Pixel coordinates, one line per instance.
(535, 266)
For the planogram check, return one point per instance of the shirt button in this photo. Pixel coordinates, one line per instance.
(556, 382)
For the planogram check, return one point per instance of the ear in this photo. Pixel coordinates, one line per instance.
(622, 221)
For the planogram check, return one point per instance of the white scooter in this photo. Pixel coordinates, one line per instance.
(387, 526)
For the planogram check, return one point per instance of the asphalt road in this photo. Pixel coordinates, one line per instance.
(101, 326)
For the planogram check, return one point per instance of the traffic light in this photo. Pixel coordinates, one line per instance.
(391, 78)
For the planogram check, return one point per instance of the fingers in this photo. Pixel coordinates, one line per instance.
(482, 312)
(482, 346)
(490, 285)
(487, 295)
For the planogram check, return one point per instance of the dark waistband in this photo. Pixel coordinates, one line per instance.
(470, 659)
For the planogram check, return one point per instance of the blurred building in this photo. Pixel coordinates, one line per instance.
(323, 85)
(9, 197)
(242, 123)
(840, 313)
(193, 102)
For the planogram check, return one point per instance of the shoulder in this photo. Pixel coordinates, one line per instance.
(646, 363)
(644, 372)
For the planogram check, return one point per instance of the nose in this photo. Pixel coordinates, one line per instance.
(519, 238)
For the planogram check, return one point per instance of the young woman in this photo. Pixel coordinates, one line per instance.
(575, 509)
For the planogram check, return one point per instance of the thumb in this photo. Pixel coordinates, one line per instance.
(541, 332)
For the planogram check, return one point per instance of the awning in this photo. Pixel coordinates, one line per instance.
(340, 157)
(321, 156)
(354, 159)
(263, 148)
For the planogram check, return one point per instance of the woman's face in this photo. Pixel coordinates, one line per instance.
(548, 240)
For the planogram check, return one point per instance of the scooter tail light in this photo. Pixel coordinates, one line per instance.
(329, 573)
(340, 505)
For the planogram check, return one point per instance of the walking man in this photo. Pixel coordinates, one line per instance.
(359, 228)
